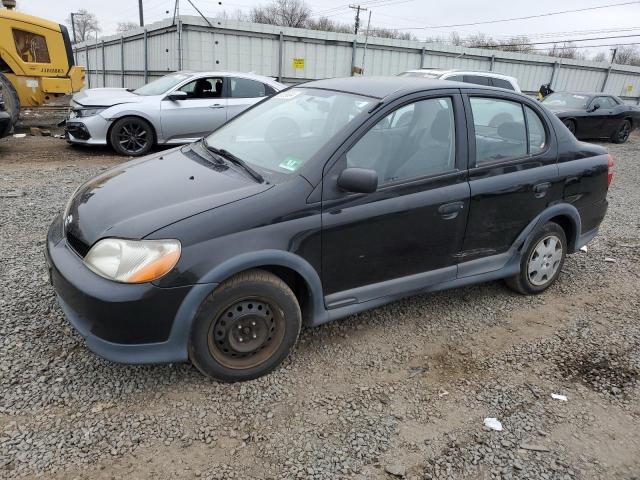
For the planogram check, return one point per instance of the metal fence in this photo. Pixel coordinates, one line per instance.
(295, 55)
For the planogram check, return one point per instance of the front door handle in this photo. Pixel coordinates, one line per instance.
(449, 211)
(217, 105)
(540, 190)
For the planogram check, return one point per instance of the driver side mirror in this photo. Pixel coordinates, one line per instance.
(177, 95)
(358, 180)
(594, 107)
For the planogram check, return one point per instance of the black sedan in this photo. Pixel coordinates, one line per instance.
(325, 200)
(594, 115)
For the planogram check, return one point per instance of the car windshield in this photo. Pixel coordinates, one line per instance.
(161, 85)
(566, 100)
(426, 74)
(281, 134)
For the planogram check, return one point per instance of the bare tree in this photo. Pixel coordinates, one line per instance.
(600, 57)
(627, 55)
(566, 50)
(285, 13)
(326, 25)
(85, 22)
(126, 27)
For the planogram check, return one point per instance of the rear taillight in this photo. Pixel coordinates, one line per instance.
(609, 171)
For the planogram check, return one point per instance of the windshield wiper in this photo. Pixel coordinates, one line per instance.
(221, 152)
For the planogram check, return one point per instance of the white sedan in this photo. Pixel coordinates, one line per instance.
(172, 110)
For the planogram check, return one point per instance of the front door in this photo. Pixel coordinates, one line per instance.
(201, 112)
(513, 174)
(407, 234)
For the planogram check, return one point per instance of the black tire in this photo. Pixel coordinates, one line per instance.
(622, 134)
(132, 136)
(11, 99)
(256, 306)
(571, 125)
(533, 282)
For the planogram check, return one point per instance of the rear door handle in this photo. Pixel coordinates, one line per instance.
(217, 105)
(540, 190)
(449, 211)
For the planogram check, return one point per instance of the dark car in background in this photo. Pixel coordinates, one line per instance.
(594, 115)
(5, 118)
(327, 199)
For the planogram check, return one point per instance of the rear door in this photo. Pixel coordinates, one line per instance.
(513, 174)
(410, 230)
(204, 110)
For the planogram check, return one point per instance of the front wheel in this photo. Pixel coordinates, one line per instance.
(541, 264)
(245, 328)
(131, 136)
(622, 134)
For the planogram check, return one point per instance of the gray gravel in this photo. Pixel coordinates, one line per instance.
(398, 392)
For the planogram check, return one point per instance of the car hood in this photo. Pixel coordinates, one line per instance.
(105, 97)
(141, 196)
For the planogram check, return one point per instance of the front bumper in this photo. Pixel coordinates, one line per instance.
(127, 323)
(87, 130)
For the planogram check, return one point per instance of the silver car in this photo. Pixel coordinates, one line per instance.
(175, 109)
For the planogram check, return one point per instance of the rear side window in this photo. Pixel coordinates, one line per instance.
(478, 80)
(501, 83)
(501, 130)
(456, 78)
(608, 102)
(245, 88)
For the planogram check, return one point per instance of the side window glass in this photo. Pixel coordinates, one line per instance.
(455, 78)
(537, 134)
(245, 88)
(31, 47)
(500, 129)
(609, 102)
(478, 80)
(203, 88)
(269, 90)
(501, 83)
(414, 141)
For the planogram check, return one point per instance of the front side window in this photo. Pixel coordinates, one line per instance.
(500, 129)
(31, 47)
(282, 133)
(203, 88)
(246, 88)
(414, 141)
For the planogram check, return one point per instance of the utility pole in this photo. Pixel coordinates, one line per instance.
(141, 13)
(358, 9)
(613, 55)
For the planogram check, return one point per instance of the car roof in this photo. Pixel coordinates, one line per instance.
(381, 87)
(484, 73)
(218, 73)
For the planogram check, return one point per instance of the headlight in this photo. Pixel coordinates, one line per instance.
(133, 261)
(86, 112)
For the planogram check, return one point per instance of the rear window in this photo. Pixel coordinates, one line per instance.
(501, 83)
(246, 88)
(478, 80)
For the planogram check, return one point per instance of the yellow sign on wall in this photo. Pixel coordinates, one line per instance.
(629, 88)
(298, 63)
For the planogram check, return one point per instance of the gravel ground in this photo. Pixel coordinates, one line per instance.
(400, 391)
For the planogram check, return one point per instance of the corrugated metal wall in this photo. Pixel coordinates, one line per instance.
(144, 54)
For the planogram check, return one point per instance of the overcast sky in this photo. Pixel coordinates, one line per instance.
(400, 14)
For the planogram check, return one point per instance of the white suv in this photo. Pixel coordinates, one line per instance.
(490, 79)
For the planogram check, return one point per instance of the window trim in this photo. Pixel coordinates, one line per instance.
(473, 155)
(408, 180)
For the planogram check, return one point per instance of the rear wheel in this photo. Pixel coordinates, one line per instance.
(571, 125)
(622, 134)
(541, 264)
(132, 136)
(246, 328)
(11, 99)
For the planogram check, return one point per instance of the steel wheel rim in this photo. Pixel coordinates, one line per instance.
(246, 333)
(544, 260)
(624, 131)
(132, 137)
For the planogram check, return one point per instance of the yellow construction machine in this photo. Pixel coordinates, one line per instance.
(36, 61)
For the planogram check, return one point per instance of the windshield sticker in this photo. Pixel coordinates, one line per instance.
(291, 164)
(288, 94)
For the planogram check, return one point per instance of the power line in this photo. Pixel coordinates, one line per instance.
(528, 17)
(559, 41)
(571, 47)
